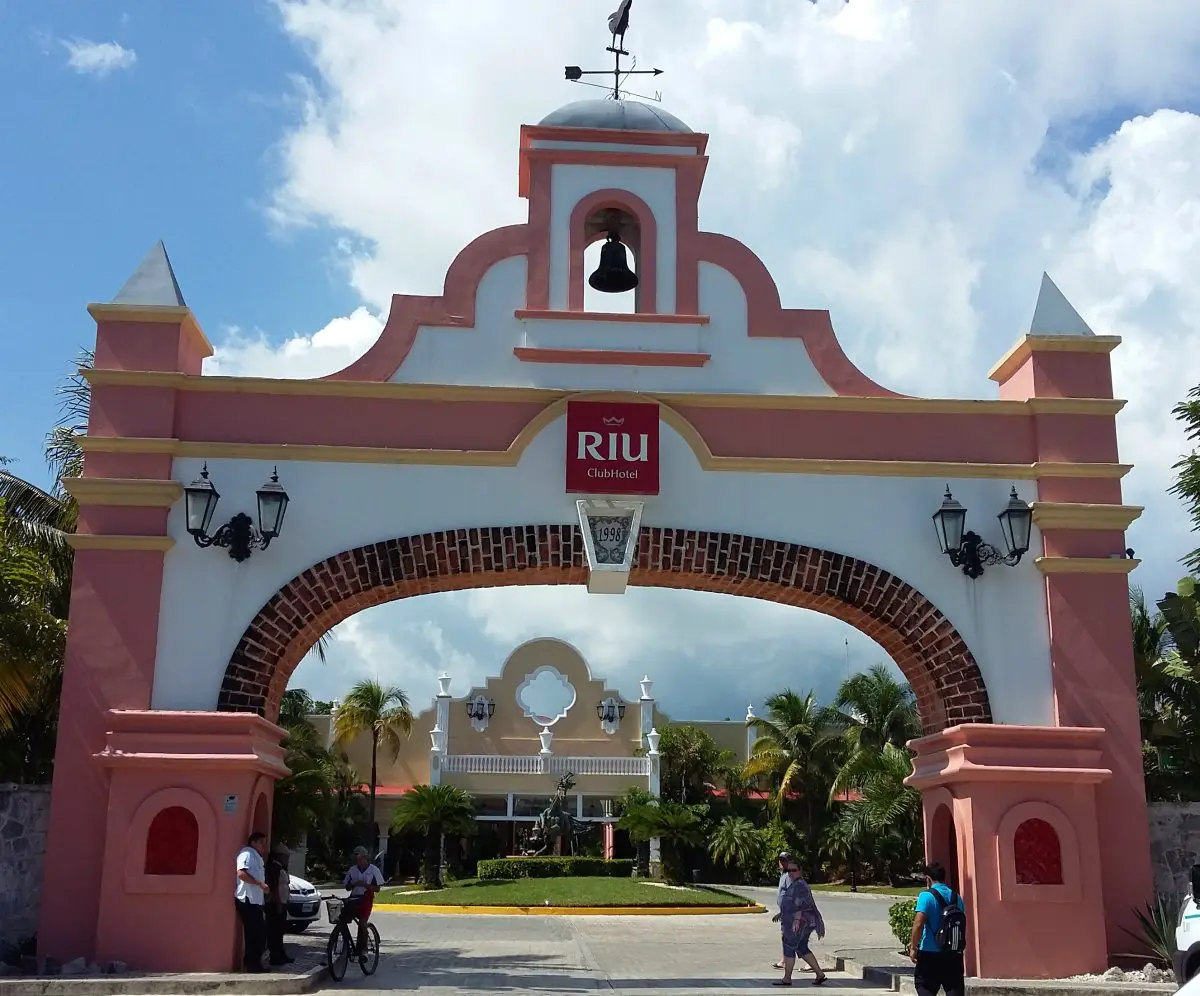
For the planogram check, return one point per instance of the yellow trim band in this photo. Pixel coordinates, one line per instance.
(548, 396)
(166, 315)
(569, 910)
(1075, 515)
(123, 491)
(319, 453)
(110, 541)
(1030, 344)
(1085, 565)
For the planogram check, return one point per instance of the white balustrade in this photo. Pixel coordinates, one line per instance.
(492, 764)
(517, 764)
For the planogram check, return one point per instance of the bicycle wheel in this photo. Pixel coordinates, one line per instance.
(369, 960)
(337, 952)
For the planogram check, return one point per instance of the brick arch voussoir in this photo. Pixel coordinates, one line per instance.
(920, 639)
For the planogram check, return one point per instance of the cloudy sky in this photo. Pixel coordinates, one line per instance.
(911, 165)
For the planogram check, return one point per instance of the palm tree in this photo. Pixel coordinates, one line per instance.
(1150, 641)
(674, 825)
(32, 631)
(1187, 484)
(381, 712)
(737, 843)
(691, 760)
(887, 816)
(436, 811)
(633, 799)
(874, 709)
(799, 748)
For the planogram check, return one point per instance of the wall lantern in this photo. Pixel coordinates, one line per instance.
(610, 712)
(479, 710)
(238, 535)
(966, 549)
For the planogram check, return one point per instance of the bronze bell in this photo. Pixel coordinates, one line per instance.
(613, 275)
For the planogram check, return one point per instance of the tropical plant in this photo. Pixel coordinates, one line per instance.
(777, 836)
(1187, 483)
(1156, 927)
(690, 762)
(886, 817)
(901, 917)
(799, 748)
(435, 811)
(676, 827)
(633, 799)
(736, 842)
(380, 712)
(32, 632)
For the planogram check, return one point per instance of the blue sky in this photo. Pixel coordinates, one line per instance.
(913, 165)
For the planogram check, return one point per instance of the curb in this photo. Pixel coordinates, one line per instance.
(190, 984)
(899, 980)
(569, 910)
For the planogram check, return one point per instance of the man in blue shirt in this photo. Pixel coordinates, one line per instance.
(935, 969)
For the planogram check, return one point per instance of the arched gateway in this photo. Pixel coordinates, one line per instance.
(501, 434)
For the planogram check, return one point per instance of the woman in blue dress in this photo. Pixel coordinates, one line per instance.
(800, 919)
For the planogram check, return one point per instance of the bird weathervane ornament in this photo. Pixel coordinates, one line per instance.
(618, 24)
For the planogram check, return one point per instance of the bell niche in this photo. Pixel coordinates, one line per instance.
(613, 188)
(613, 277)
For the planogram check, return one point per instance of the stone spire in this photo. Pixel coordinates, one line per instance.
(1054, 315)
(153, 283)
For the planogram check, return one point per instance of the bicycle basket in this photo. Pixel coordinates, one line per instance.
(333, 907)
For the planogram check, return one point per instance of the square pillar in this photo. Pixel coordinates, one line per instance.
(1011, 811)
(186, 790)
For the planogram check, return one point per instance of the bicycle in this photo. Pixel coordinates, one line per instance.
(342, 942)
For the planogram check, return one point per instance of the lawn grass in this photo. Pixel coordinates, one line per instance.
(873, 890)
(561, 892)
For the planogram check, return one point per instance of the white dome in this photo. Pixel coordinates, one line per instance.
(623, 115)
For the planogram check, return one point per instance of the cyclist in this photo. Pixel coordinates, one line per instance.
(364, 880)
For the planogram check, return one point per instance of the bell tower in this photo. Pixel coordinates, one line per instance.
(617, 170)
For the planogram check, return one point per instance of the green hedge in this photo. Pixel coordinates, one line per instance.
(901, 917)
(496, 869)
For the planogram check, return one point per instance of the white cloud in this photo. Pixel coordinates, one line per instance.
(913, 165)
(91, 58)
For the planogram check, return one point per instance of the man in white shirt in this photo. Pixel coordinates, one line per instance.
(250, 895)
(364, 880)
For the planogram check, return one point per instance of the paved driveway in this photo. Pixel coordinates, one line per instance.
(440, 955)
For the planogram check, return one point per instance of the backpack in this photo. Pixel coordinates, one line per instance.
(952, 931)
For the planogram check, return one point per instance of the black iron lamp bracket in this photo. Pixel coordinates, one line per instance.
(975, 554)
(238, 535)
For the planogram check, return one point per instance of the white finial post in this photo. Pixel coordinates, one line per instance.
(547, 738)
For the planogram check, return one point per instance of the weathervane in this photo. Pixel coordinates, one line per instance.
(618, 24)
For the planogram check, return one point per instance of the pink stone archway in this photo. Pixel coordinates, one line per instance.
(1056, 423)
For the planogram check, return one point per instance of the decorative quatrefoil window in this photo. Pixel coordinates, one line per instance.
(546, 695)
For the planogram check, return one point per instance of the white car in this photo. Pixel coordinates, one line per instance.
(1187, 940)
(304, 904)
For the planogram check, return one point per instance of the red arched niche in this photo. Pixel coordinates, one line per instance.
(925, 646)
(1037, 854)
(173, 842)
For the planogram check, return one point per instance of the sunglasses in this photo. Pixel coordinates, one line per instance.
(793, 871)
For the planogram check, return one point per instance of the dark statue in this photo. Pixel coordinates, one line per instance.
(555, 823)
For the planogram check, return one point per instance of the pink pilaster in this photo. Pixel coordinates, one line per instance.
(116, 588)
(983, 788)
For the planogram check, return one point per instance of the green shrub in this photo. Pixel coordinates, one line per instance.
(901, 917)
(496, 869)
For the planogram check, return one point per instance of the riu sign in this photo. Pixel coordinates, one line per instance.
(612, 448)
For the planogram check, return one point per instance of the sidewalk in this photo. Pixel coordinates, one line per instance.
(888, 968)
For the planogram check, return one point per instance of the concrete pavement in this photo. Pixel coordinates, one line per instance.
(441, 955)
